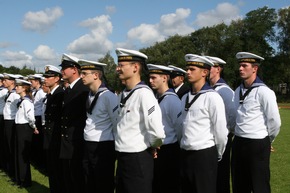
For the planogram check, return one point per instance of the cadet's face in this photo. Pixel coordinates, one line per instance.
(214, 71)
(7, 83)
(50, 81)
(126, 70)
(45, 88)
(194, 74)
(19, 89)
(156, 81)
(67, 73)
(176, 81)
(88, 76)
(33, 83)
(247, 70)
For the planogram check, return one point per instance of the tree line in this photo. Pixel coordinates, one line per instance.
(264, 31)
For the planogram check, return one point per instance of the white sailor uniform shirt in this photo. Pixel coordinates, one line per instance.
(139, 122)
(10, 107)
(227, 95)
(258, 114)
(38, 95)
(103, 117)
(3, 93)
(25, 112)
(170, 105)
(204, 123)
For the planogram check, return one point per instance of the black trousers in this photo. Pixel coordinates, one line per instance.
(54, 170)
(251, 165)
(224, 171)
(73, 175)
(135, 172)
(2, 154)
(38, 155)
(199, 170)
(99, 166)
(9, 147)
(166, 169)
(23, 133)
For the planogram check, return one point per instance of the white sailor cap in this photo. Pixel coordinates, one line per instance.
(176, 71)
(10, 76)
(51, 71)
(248, 57)
(69, 61)
(1, 76)
(199, 61)
(130, 55)
(216, 61)
(34, 77)
(159, 69)
(91, 65)
(21, 82)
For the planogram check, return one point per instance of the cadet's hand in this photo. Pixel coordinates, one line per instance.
(272, 149)
(154, 152)
(36, 131)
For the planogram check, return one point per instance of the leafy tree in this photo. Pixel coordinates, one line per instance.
(283, 24)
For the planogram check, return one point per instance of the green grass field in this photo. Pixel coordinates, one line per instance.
(280, 166)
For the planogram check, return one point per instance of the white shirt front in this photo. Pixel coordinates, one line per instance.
(139, 122)
(25, 113)
(258, 116)
(100, 124)
(10, 107)
(204, 124)
(3, 93)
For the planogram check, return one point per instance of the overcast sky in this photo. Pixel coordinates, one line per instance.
(37, 32)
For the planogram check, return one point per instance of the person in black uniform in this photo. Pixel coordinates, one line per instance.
(73, 121)
(177, 77)
(51, 129)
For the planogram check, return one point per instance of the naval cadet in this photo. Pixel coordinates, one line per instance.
(24, 128)
(9, 112)
(51, 129)
(257, 125)
(99, 148)
(177, 78)
(204, 133)
(73, 121)
(166, 164)
(139, 127)
(227, 94)
(38, 156)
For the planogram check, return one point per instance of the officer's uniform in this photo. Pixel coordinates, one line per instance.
(204, 135)
(9, 112)
(139, 128)
(99, 148)
(3, 92)
(73, 121)
(257, 124)
(227, 94)
(166, 165)
(183, 88)
(38, 156)
(51, 132)
(24, 127)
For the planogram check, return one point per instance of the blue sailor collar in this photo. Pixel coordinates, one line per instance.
(257, 82)
(205, 88)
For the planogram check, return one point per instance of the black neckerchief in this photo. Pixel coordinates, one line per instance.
(220, 82)
(34, 94)
(91, 106)
(124, 99)
(168, 92)
(255, 84)
(204, 89)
